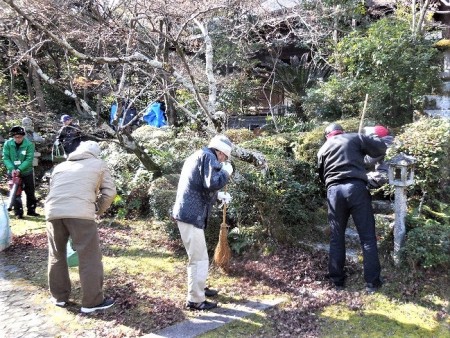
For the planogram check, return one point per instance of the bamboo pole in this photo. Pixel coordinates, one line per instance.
(361, 123)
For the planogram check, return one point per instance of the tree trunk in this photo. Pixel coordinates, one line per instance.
(127, 142)
(37, 86)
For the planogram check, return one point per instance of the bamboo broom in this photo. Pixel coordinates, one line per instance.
(222, 253)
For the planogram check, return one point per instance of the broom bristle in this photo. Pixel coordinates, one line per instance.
(222, 253)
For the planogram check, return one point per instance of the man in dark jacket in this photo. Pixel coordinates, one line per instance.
(18, 154)
(69, 135)
(341, 168)
(203, 174)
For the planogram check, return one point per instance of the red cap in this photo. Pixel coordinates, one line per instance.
(381, 131)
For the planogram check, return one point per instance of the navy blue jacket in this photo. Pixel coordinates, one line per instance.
(70, 137)
(201, 177)
(342, 157)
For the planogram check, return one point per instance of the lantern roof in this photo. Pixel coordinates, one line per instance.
(402, 160)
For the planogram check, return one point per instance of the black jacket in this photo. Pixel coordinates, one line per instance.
(342, 157)
(70, 137)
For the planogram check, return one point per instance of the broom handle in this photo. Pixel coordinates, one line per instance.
(361, 123)
(224, 213)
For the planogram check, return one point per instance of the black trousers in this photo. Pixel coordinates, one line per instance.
(351, 197)
(28, 187)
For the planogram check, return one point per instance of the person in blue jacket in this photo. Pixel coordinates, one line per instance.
(18, 154)
(341, 168)
(204, 173)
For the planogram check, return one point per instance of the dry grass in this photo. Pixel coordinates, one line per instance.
(146, 274)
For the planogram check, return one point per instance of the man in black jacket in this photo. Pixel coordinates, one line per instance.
(69, 135)
(341, 168)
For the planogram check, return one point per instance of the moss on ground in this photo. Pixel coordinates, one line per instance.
(383, 317)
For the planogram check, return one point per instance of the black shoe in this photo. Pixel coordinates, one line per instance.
(339, 287)
(210, 292)
(107, 303)
(19, 216)
(201, 306)
(33, 213)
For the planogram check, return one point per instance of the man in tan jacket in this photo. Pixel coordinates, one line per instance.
(81, 189)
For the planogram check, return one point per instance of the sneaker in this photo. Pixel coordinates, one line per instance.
(33, 213)
(56, 303)
(201, 306)
(210, 292)
(372, 287)
(107, 303)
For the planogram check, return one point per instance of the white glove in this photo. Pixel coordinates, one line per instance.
(224, 197)
(369, 131)
(227, 167)
(56, 143)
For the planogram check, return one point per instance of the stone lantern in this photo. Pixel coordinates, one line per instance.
(401, 175)
(401, 170)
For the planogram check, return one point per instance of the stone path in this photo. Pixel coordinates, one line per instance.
(21, 314)
(208, 321)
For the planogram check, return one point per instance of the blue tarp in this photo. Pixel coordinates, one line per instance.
(154, 115)
(112, 113)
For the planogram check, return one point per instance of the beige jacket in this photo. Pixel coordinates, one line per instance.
(81, 187)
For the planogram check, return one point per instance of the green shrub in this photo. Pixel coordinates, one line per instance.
(162, 194)
(239, 135)
(428, 246)
(428, 220)
(308, 144)
(279, 206)
(429, 142)
(368, 62)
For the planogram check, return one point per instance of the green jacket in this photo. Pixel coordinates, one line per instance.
(18, 158)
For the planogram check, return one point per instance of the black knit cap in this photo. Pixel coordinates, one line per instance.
(16, 130)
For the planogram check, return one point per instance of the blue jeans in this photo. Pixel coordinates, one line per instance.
(351, 197)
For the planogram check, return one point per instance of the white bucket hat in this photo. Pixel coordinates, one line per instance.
(222, 143)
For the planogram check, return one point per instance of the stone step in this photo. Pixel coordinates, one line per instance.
(210, 320)
(445, 113)
(436, 102)
(446, 87)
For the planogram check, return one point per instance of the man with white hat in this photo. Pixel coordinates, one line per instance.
(203, 174)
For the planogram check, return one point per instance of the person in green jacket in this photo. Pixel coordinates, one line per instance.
(18, 154)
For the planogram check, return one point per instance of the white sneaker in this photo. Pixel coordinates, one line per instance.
(55, 302)
(107, 303)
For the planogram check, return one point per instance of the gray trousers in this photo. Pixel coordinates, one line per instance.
(86, 242)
